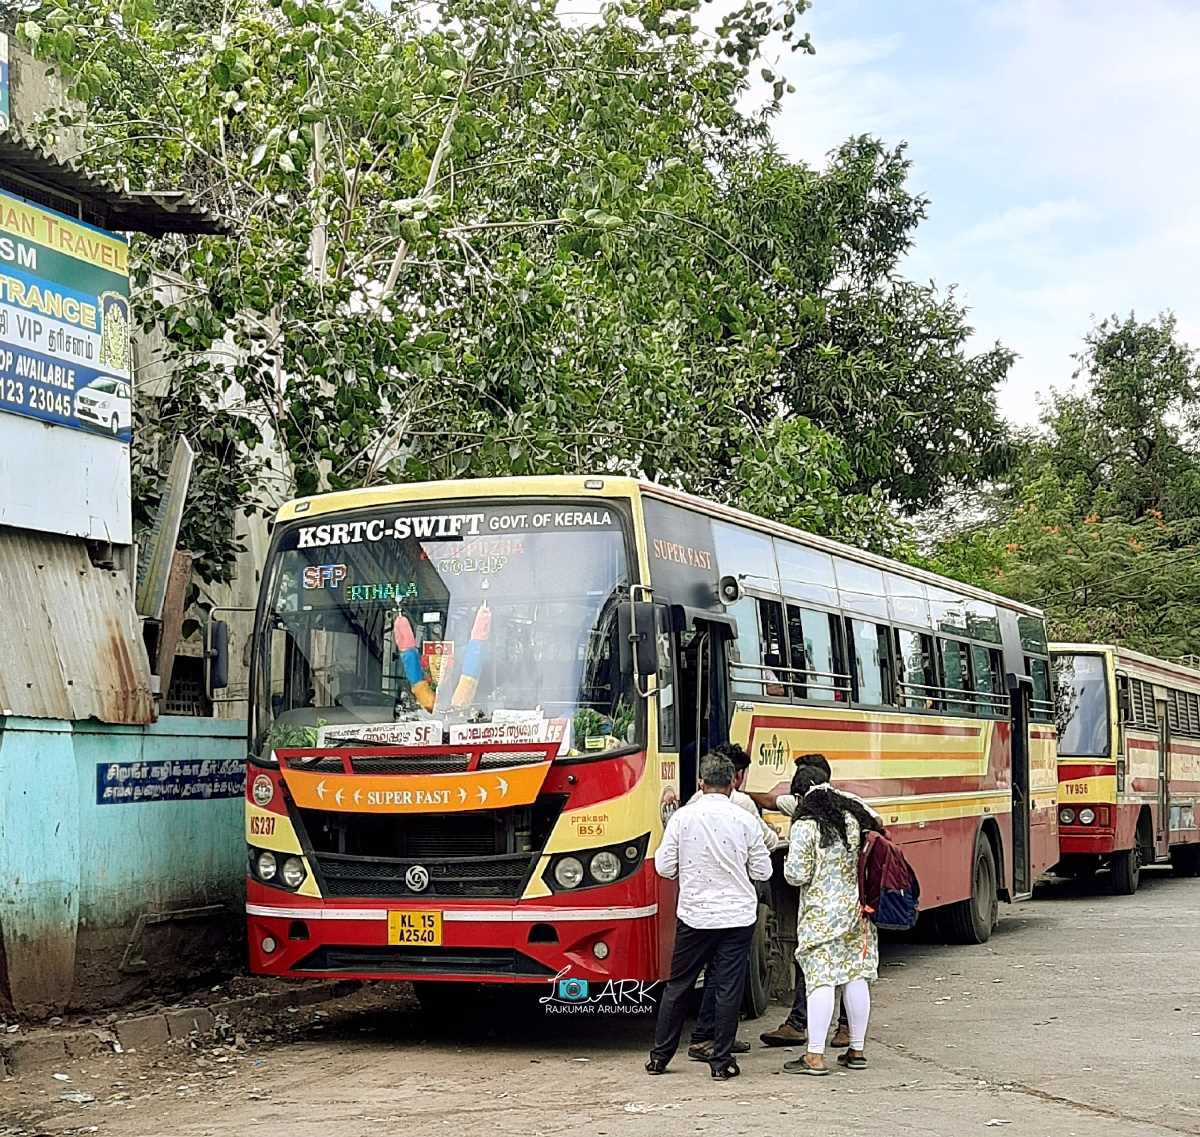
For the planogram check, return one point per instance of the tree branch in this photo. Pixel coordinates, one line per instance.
(443, 146)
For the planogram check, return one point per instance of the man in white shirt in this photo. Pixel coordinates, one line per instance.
(793, 1031)
(717, 852)
(702, 1036)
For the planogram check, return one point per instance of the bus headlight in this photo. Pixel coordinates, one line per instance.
(293, 872)
(605, 867)
(1066, 817)
(594, 868)
(569, 872)
(265, 865)
(1086, 816)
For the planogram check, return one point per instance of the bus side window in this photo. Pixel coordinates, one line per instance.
(813, 637)
(666, 679)
(1042, 705)
(756, 656)
(743, 649)
(770, 625)
(871, 663)
(986, 669)
(956, 676)
(917, 675)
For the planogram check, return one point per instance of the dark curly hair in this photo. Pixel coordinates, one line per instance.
(735, 753)
(828, 808)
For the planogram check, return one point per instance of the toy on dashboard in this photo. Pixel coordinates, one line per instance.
(472, 664)
(410, 657)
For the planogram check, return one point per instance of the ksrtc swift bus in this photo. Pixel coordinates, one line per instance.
(475, 704)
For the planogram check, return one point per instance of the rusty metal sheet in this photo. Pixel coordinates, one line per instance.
(70, 643)
(102, 203)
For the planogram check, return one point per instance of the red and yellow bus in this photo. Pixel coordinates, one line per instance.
(1128, 762)
(476, 704)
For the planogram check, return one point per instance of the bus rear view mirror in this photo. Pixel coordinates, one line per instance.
(638, 644)
(217, 656)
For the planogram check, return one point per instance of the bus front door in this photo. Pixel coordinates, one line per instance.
(1019, 691)
(1162, 831)
(703, 703)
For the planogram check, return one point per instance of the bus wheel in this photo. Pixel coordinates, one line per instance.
(1185, 860)
(971, 921)
(1127, 870)
(758, 983)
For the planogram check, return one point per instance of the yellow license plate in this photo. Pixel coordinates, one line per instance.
(424, 928)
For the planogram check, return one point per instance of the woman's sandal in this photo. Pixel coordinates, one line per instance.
(852, 1060)
(800, 1066)
(724, 1073)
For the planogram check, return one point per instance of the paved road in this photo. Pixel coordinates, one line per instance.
(1082, 1016)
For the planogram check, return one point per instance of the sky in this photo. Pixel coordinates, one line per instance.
(1058, 142)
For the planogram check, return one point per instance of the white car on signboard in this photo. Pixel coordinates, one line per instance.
(106, 403)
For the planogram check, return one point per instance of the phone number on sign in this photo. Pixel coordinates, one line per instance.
(39, 398)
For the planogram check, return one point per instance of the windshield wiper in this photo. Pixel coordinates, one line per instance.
(355, 740)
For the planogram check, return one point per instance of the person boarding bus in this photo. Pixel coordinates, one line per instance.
(717, 852)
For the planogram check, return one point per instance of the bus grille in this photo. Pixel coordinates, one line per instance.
(502, 876)
(477, 854)
(441, 764)
(483, 962)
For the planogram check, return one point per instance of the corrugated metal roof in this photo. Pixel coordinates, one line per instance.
(70, 643)
(106, 205)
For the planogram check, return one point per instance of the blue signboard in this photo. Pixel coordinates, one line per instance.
(192, 779)
(65, 354)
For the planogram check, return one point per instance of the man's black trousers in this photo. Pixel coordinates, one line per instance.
(723, 954)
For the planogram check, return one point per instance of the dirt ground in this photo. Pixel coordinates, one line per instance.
(1082, 1016)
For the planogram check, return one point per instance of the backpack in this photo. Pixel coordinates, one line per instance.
(888, 889)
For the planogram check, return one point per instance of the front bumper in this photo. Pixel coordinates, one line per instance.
(489, 941)
(1076, 840)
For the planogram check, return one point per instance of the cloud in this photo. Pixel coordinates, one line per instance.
(1023, 222)
(1059, 143)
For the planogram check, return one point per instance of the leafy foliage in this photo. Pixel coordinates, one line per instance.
(1101, 523)
(480, 240)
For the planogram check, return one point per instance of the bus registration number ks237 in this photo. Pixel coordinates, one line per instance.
(415, 928)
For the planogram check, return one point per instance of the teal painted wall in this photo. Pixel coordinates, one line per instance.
(100, 901)
(39, 861)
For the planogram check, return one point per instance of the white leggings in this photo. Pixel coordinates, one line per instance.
(857, 997)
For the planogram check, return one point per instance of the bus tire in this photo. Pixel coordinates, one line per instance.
(971, 921)
(1126, 870)
(1185, 860)
(757, 996)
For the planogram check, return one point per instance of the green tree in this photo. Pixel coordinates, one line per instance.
(1100, 523)
(881, 362)
(1130, 438)
(478, 240)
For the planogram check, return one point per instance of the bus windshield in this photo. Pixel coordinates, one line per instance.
(452, 624)
(1081, 702)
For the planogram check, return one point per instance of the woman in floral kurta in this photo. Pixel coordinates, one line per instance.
(836, 945)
